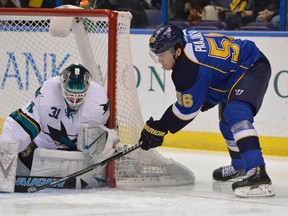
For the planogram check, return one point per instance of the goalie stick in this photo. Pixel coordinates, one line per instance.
(68, 180)
(23, 183)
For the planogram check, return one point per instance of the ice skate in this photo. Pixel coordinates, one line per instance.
(225, 173)
(256, 184)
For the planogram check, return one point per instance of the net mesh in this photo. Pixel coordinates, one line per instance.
(30, 54)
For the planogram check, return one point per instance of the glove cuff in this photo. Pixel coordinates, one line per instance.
(154, 131)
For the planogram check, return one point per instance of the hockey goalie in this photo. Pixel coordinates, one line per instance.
(60, 131)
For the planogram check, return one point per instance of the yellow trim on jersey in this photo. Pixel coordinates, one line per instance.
(29, 119)
(241, 66)
(205, 65)
(219, 35)
(218, 90)
(228, 98)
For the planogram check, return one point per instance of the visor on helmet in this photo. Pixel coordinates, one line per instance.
(157, 57)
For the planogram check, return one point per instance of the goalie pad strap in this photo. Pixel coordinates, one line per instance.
(26, 156)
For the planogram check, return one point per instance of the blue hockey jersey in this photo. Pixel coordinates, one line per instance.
(208, 67)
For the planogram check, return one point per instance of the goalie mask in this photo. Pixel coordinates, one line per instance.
(75, 81)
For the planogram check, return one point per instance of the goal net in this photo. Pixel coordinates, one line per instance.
(33, 50)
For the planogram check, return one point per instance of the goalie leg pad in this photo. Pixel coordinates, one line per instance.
(55, 163)
(58, 163)
(8, 164)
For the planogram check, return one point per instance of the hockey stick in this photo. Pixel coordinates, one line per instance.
(23, 183)
(36, 188)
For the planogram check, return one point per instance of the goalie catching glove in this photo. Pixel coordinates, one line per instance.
(152, 134)
(99, 142)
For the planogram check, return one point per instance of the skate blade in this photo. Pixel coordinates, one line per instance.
(264, 190)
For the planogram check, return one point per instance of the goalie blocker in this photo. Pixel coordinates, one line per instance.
(95, 144)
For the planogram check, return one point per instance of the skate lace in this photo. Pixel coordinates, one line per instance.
(228, 170)
(249, 174)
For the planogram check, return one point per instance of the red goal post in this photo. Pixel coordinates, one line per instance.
(100, 40)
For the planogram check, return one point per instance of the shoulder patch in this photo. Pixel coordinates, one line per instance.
(38, 92)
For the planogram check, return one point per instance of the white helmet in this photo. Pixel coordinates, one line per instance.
(75, 81)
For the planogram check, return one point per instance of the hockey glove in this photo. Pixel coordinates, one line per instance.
(99, 142)
(206, 106)
(152, 134)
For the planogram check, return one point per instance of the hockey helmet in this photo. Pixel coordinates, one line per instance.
(75, 81)
(166, 37)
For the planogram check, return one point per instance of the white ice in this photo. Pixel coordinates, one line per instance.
(205, 197)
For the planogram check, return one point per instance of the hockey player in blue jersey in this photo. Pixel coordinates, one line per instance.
(208, 70)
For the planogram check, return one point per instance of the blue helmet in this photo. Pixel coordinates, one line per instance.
(166, 37)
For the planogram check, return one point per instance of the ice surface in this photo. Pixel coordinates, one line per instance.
(205, 197)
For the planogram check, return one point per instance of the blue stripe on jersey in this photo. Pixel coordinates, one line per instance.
(27, 123)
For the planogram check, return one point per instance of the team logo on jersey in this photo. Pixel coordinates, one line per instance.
(61, 138)
(105, 107)
(30, 107)
(38, 92)
(238, 91)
